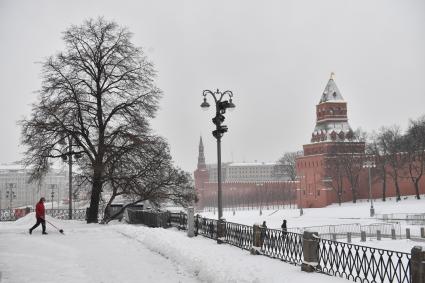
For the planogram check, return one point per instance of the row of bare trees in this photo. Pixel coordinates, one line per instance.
(259, 196)
(399, 155)
(396, 156)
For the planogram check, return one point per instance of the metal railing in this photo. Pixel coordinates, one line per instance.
(339, 231)
(178, 219)
(353, 262)
(287, 246)
(77, 214)
(207, 227)
(363, 264)
(410, 218)
(239, 235)
(7, 215)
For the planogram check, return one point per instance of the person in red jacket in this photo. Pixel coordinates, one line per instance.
(40, 215)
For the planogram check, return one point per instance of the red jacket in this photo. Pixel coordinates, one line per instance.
(39, 210)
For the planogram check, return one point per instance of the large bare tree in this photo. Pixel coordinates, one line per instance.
(414, 152)
(100, 92)
(390, 140)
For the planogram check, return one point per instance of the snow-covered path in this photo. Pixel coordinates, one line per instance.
(127, 253)
(84, 254)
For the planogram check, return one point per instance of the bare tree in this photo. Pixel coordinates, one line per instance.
(286, 166)
(146, 172)
(414, 152)
(345, 162)
(374, 148)
(390, 140)
(335, 174)
(99, 91)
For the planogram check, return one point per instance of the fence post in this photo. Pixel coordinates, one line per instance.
(310, 251)
(221, 230)
(333, 237)
(349, 237)
(256, 241)
(393, 234)
(378, 235)
(362, 236)
(417, 265)
(422, 232)
(190, 221)
(407, 233)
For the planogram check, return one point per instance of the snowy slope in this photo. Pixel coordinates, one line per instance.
(126, 253)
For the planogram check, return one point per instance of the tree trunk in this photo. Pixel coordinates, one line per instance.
(397, 187)
(339, 196)
(354, 193)
(95, 195)
(384, 187)
(417, 189)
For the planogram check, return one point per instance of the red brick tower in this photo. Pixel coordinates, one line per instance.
(201, 175)
(332, 134)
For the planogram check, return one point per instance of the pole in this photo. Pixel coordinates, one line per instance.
(10, 196)
(52, 195)
(70, 178)
(372, 210)
(220, 207)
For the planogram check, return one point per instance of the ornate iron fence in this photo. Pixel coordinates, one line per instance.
(7, 215)
(287, 246)
(178, 219)
(207, 227)
(239, 235)
(363, 264)
(77, 214)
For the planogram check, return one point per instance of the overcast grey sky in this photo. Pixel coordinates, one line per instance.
(276, 57)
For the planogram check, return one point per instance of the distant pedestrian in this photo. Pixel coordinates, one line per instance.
(40, 216)
(284, 227)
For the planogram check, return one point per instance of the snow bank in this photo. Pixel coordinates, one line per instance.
(211, 262)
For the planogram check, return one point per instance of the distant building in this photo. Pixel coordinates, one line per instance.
(243, 184)
(332, 137)
(14, 183)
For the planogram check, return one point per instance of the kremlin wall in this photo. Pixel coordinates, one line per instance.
(256, 184)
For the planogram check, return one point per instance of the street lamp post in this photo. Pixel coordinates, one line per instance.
(10, 194)
(370, 164)
(259, 187)
(67, 157)
(220, 107)
(52, 193)
(300, 189)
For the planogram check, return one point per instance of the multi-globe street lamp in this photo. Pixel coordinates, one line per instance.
(67, 157)
(220, 109)
(53, 187)
(10, 194)
(370, 164)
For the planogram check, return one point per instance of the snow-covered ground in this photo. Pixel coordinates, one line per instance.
(127, 253)
(347, 213)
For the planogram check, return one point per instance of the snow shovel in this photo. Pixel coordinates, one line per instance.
(60, 230)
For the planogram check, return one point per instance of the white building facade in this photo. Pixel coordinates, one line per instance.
(15, 191)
